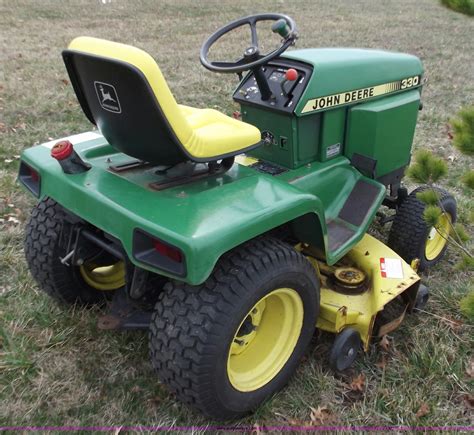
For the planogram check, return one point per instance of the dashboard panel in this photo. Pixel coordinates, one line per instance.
(285, 94)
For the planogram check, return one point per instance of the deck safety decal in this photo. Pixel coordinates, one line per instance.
(391, 268)
(359, 94)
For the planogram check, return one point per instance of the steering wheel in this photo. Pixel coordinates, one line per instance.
(284, 26)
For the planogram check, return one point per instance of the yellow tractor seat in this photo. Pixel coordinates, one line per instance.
(122, 90)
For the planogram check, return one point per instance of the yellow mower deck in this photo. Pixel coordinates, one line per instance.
(387, 276)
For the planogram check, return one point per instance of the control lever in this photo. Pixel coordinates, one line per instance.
(251, 54)
(290, 76)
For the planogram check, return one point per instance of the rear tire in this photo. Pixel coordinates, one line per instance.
(44, 245)
(410, 234)
(205, 342)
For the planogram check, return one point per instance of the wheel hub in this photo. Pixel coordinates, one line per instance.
(438, 237)
(103, 278)
(265, 339)
(247, 330)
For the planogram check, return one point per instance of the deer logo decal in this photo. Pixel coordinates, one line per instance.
(107, 96)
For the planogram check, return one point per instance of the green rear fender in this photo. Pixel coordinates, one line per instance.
(204, 219)
(253, 211)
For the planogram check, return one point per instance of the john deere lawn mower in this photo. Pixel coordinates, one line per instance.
(231, 240)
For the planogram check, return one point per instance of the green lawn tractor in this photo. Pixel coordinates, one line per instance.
(231, 239)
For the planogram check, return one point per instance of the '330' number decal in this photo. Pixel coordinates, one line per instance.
(410, 82)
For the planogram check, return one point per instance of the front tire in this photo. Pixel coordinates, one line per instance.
(410, 236)
(227, 345)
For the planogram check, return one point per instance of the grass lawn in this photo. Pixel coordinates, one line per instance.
(57, 368)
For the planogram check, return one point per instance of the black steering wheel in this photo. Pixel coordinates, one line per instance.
(284, 26)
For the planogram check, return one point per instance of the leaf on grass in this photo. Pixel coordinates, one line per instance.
(358, 383)
(13, 220)
(3, 127)
(384, 343)
(294, 422)
(290, 421)
(470, 368)
(468, 400)
(321, 415)
(423, 410)
(65, 82)
(154, 401)
(8, 160)
(382, 363)
(449, 132)
(452, 323)
(256, 429)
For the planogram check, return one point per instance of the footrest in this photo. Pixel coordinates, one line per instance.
(354, 217)
(359, 202)
(338, 234)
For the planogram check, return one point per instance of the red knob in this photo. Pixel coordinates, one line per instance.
(291, 74)
(62, 150)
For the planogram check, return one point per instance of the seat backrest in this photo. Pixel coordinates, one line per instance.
(123, 92)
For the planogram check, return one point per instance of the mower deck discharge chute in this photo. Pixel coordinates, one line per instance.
(231, 240)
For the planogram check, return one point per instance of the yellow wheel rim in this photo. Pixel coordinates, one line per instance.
(104, 277)
(438, 237)
(265, 339)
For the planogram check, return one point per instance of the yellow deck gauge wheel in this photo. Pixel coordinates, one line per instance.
(265, 339)
(104, 278)
(438, 237)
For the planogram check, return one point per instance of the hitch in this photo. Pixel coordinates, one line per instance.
(123, 313)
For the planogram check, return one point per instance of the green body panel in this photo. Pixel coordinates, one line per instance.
(332, 133)
(383, 130)
(295, 140)
(331, 182)
(211, 215)
(321, 134)
(339, 70)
